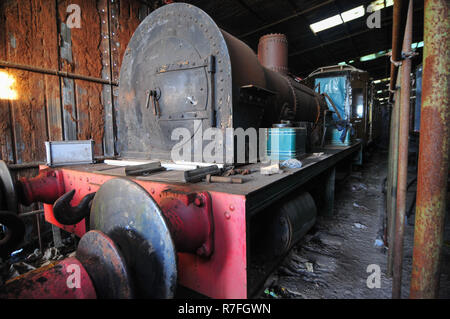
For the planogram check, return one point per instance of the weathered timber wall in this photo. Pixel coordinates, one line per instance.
(36, 32)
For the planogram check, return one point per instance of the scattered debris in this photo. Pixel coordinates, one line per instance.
(309, 267)
(357, 175)
(14, 253)
(20, 268)
(359, 226)
(360, 206)
(292, 293)
(53, 253)
(272, 169)
(34, 256)
(358, 186)
(292, 163)
(271, 293)
(379, 243)
(235, 171)
(318, 154)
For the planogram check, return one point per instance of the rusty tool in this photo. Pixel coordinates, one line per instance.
(198, 174)
(144, 169)
(235, 171)
(221, 179)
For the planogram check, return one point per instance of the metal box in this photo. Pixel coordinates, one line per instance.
(286, 143)
(69, 152)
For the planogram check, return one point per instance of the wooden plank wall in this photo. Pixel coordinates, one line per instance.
(35, 32)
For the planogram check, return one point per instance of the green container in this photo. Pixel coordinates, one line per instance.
(333, 137)
(286, 143)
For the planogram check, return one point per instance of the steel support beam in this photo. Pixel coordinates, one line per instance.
(391, 194)
(402, 174)
(433, 152)
(398, 27)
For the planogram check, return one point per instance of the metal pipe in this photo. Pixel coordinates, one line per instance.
(35, 69)
(273, 52)
(433, 152)
(392, 180)
(25, 165)
(398, 27)
(32, 213)
(402, 177)
(38, 224)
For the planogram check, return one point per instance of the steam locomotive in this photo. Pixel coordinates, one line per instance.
(159, 227)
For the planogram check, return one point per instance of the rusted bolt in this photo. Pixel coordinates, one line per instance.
(231, 207)
(152, 191)
(227, 215)
(198, 201)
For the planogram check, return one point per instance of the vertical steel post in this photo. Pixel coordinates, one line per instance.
(38, 226)
(433, 152)
(392, 178)
(398, 27)
(402, 177)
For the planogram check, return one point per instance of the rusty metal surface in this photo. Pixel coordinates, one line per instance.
(224, 273)
(46, 187)
(199, 75)
(398, 27)
(125, 212)
(273, 52)
(105, 265)
(51, 282)
(69, 75)
(175, 66)
(402, 174)
(433, 153)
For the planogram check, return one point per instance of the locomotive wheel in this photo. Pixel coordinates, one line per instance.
(8, 195)
(106, 266)
(125, 212)
(15, 231)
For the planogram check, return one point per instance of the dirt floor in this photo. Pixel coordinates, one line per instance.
(332, 259)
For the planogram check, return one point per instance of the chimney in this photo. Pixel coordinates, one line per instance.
(273, 52)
